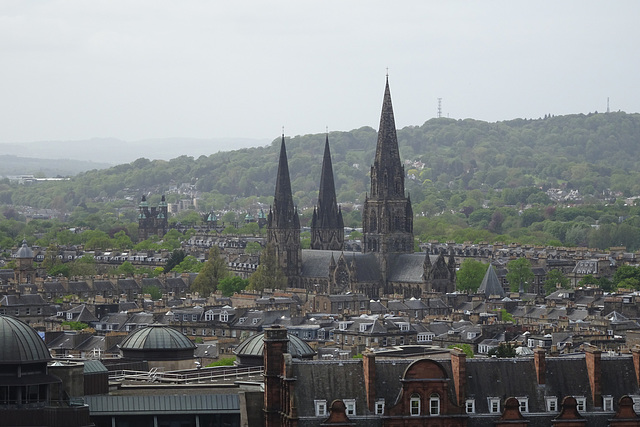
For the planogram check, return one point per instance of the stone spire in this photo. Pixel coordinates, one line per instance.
(387, 218)
(387, 172)
(283, 224)
(327, 226)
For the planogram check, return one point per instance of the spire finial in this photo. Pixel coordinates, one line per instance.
(387, 73)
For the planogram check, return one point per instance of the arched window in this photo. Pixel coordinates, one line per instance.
(415, 405)
(434, 404)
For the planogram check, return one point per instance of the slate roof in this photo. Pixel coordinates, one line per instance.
(20, 343)
(491, 284)
(315, 263)
(164, 404)
(408, 268)
(103, 285)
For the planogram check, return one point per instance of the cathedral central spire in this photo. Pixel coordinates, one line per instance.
(387, 219)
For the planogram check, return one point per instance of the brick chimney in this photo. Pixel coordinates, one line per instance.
(541, 365)
(275, 345)
(459, 368)
(635, 351)
(593, 358)
(369, 367)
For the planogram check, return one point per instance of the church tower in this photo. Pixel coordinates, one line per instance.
(327, 226)
(387, 219)
(283, 224)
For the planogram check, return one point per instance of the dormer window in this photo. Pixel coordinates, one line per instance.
(343, 326)
(224, 316)
(404, 326)
(255, 321)
(242, 320)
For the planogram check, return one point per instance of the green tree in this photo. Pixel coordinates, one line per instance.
(122, 241)
(555, 279)
(76, 326)
(627, 277)
(470, 275)
(153, 291)
(127, 269)
(504, 349)
(213, 270)
(84, 266)
(466, 348)
(231, 285)
(252, 248)
(176, 257)
(519, 274)
(268, 275)
(189, 264)
(51, 259)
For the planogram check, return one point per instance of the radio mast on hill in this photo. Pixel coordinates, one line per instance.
(439, 107)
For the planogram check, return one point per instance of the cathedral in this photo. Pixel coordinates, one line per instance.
(388, 263)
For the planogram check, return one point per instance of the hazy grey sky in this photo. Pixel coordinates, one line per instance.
(134, 69)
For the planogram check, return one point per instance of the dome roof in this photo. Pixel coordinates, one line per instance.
(254, 346)
(20, 343)
(156, 337)
(24, 251)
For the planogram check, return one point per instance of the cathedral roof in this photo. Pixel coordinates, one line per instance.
(315, 263)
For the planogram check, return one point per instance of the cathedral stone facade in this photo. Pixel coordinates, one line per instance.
(387, 264)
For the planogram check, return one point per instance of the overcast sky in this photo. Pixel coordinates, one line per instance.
(135, 69)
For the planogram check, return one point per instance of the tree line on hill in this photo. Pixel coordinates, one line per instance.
(469, 181)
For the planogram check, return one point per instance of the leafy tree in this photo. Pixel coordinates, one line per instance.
(252, 248)
(59, 270)
(153, 291)
(505, 316)
(176, 257)
(555, 279)
(84, 266)
(627, 277)
(504, 349)
(231, 285)
(466, 348)
(470, 275)
(76, 326)
(213, 270)
(189, 264)
(519, 274)
(122, 241)
(127, 269)
(588, 280)
(51, 259)
(268, 275)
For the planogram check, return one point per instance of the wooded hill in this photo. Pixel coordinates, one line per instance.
(591, 153)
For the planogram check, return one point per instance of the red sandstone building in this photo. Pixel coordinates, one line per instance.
(581, 390)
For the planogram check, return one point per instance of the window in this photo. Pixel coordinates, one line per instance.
(224, 316)
(524, 404)
(636, 403)
(38, 311)
(242, 320)
(494, 405)
(350, 405)
(185, 317)
(208, 315)
(255, 320)
(607, 403)
(414, 404)
(194, 332)
(552, 404)
(321, 408)
(434, 404)
(194, 317)
(404, 326)
(582, 403)
(379, 408)
(470, 406)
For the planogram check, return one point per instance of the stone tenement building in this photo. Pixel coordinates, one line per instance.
(387, 264)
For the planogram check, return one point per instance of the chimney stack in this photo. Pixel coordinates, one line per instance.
(593, 358)
(541, 365)
(635, 351)
(459, 368)
(369, 367)
(275, 345)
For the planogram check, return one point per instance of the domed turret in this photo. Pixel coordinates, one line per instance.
(20, 343)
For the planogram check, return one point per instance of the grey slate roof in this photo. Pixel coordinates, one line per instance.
(19, 342)
(409, 268)
(315, 263)
(164, 404)
(490, 284)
